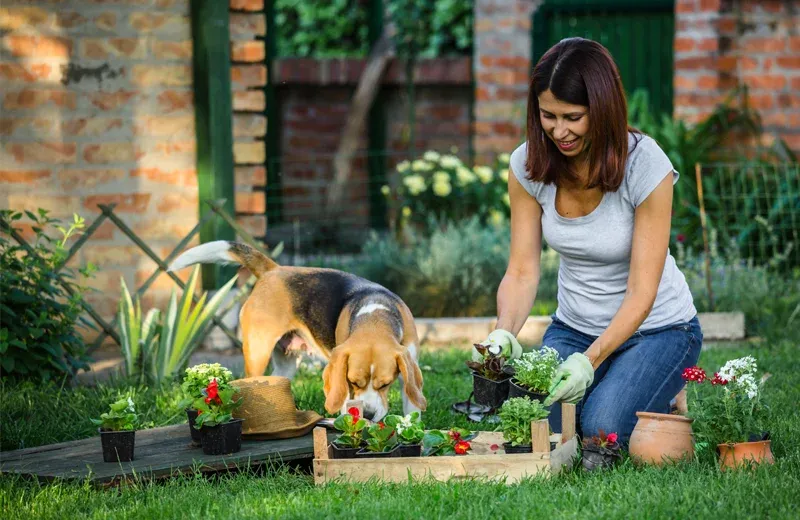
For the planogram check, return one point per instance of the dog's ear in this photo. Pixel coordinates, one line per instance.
(412, 379)
(334, 380)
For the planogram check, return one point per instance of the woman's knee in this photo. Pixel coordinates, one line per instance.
(608, 420)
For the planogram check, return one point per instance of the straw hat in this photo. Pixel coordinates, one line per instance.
(269, 411)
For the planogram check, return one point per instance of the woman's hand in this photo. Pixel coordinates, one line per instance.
(507, 344)
(571, 380)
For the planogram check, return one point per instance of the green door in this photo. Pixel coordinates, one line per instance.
(639, 35)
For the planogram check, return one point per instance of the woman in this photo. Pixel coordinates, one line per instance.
(600, 193)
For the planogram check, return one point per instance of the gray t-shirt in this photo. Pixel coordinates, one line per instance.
(595, 249)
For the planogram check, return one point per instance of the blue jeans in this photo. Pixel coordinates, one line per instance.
(642, 375)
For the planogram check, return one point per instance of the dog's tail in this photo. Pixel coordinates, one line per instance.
(224, 252)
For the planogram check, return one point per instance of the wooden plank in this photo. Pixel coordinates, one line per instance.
(567, 422)
(540, 435)
(159, 453)
(512, 468)
(320, 443)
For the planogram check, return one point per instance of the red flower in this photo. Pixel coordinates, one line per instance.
(461, 447)
(695, 374)
(681, 238)
(718, 380)
(212, 390)
(612, 438)
(381, 425)
(494, 447)
(354, 412)
(454, 435)
(199, 412)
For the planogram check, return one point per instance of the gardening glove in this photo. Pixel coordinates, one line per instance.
(510, 347)
(571, 380)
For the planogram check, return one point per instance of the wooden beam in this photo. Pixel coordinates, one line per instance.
(213, 122)
(540, 436)
(567, 422)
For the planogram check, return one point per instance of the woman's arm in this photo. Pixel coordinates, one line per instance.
(652, 221)
(517, 290)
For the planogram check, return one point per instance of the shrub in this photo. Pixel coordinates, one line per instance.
(516, 416)
(40, 307)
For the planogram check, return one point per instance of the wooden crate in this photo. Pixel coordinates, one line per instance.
(481, 461)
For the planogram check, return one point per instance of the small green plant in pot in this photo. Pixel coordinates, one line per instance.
(351, 440)
(489, 380)
(381, 441)
(600, 451)
(219, 431)
(454, 441)
(410, 432)
(117, 431)
(197, 379)
(533, 372)
(516, 416)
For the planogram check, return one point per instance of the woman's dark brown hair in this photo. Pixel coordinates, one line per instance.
(580, 72)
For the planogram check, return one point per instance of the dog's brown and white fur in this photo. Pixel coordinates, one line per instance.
(365, 331)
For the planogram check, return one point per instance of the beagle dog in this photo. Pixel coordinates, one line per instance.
(365, 331)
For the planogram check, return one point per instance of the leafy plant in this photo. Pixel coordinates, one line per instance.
(181, 329)
(491, 367)
(352, 425)
(380, 437)
(137, 335)
(199, 376)
(730, 409)
(516, 416)
(121, 416)
(602, 443)
(410, 429)
(454, 441)
(40, 305)
(428, 28)
(217, 404)
(535, 369)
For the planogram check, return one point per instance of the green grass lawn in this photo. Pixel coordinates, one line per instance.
(32, 415)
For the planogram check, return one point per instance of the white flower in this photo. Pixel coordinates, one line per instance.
(465, 176)
(504, 174)
(421, 166)
(450, 161)
(442, 189)
(506, 200)
(504, 158)
(441, 176)
(415, 184)
(431, 156)
(385, 190)
(495, 217)
(404, 423)
(406, 211)
(484, 173)
(403, 166)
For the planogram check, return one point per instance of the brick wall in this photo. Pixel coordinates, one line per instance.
(721, 43)
(97, 107)
(315, 100)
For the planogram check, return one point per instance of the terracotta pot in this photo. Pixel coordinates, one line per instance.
(742, 453)
(661, 437)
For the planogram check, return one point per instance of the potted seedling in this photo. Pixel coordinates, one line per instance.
(730, 413)
(117, 433)
(600, 451)
(197, 379)
(381, 442)
(516, 416)
(532, 373)
(489, 381)
(410, 432)
(351, 440)
(454, 441)
(219, 432)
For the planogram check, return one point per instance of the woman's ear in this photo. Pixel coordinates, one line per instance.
(334, 380)
(412, 379)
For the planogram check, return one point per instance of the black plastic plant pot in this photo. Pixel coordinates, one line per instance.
(343, 452)
(517, 390)
(522, 448)
(363, 453)
(488, 392)
(222, 438)
(593, 459)
(411, 450)
(196, 436)
(117, 446)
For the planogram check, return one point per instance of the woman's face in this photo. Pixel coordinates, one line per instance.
(565, 124)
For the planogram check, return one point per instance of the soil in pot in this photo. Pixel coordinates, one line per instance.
(743, 453)
(522, 448)
(117, 446)
(517, 390)
(222, 438)
(592, 459)
(659, 437)
(411, 450)
(488, 392)
(363, 453)
(343, 452)
(196, 437)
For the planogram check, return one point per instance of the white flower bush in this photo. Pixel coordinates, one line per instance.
(535, 369)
